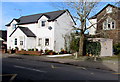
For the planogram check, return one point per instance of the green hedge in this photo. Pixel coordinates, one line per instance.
(116, 48)
(93, 48)
(74, 44)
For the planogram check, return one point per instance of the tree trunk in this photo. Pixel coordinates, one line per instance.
(81, 43)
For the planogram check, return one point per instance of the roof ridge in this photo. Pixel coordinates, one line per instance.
(43, 13)
(35, 17)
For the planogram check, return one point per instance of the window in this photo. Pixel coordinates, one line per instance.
(21, 42)
(108, 24)
(43, 23)
(39, 41)
(13, 26)
(113, 24)
(109, 9)
(47, 42)
(50, 28)
(15, 41)
(105, 25)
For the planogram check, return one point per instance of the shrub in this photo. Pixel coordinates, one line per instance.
(63, 51)
(41, 51)
(29, 49)
(50, 52)
(16, 48)
(74, 44)
(93, 48)
(32, 49)
(116, 48)
(35, 49)
(22, 50)
(46, 50)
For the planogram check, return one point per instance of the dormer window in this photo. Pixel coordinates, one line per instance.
(43, 23)
(109, 9)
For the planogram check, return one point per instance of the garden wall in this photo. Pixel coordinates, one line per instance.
(29, 52)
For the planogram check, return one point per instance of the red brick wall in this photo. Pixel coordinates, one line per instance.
(112, 34)
(29, 52)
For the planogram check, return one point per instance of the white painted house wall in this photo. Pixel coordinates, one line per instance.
(63, 26)
(92, 30)
(30, 43)
(60, 27)
(9, 31)
(17, 34)
(106, 47)
(44, 32)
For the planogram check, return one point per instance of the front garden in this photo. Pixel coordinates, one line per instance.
(37, 52)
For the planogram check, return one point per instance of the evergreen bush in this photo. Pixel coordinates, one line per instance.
(93, 48)
(116, 48)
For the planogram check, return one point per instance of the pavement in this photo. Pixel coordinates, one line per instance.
(103, 65)
(15, 69)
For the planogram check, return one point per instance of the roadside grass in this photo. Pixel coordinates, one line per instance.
(85, 58)
(114, 57)
(88, 58)
(73, 57)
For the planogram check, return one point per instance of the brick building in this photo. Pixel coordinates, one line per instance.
(107, 23)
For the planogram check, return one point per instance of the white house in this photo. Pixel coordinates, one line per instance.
(41, 31)
(93, 21)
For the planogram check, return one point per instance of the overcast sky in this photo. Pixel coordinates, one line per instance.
(12, 10)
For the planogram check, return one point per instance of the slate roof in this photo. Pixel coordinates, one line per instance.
(34, 18)
(25, 30)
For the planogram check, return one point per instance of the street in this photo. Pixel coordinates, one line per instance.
(26, 69)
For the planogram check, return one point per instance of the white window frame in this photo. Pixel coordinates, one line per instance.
(47, 44)
(114, 24)
(15, 43)
(39, 41)
(42, 23)
(21, 42)
(107, 22)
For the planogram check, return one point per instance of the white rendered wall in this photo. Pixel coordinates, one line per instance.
(106, 47)
(17, 34)
(30, 43)
(9, 31)
(44, 32)
(92, 30)
(60, 27)
(63, 26)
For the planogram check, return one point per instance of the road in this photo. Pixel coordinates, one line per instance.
(26, 69)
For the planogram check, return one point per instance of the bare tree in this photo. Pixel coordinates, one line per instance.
(82, 9)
